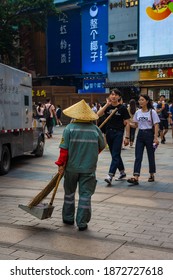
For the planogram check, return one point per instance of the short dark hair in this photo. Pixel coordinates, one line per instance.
(162, 95)
(117, 91)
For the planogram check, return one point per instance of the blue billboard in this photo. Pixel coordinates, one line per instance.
(94, 37)
(93, 85)
(64, 43)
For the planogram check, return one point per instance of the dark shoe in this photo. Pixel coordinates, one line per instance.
(83, 228)
(48, 136)
(68, 222)
(133, 181)
(162, 142)
(151, 178)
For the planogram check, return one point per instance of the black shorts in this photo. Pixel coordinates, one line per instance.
(163, 124)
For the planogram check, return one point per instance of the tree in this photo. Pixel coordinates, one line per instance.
(15, 17)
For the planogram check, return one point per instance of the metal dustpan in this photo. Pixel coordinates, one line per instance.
(41, 211)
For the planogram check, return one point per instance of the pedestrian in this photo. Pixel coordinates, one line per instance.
(40, 110)
(94, 107)
(171, 117)
(50, 115)
(58, 114)
(81, 143)
(114, 131)
(40, 114)
(146, 119)
(132, 109)
(163, 113)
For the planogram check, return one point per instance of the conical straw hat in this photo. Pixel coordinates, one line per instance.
(81, 111)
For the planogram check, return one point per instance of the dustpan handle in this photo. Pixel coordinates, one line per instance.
(55, 189)
(106, 120)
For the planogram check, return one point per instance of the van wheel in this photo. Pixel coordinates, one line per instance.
(5, 161)
(40, 148)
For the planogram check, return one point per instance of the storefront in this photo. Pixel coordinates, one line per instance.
(156, 80)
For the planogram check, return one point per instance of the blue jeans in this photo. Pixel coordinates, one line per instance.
(114, 139)
(144, 139)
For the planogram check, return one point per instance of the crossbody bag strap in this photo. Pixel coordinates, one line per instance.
(151, 117)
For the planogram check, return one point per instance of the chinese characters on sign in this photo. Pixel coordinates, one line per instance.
(39, 93)
(156, 74)
(96, 50)
(94, 36)
(93, 85)
(119, 66)
(65, 46)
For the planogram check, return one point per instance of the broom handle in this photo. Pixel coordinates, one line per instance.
(55, 189)
(106, 120)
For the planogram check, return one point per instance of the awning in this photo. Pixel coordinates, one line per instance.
(122, 84)
(152, 64)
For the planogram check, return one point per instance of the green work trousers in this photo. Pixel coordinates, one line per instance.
(87, 185)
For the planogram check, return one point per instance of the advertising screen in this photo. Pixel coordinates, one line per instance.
(155, 28)
(64, 43)
(94, 37)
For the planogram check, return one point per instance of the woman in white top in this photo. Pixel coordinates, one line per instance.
(146, 119)
(40, 110)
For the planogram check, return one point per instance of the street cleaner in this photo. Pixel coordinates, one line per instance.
(80, 145)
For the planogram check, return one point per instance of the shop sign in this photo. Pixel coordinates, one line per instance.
(63, 43)
(121, 66)
(40, 93)
(93, 85)
(117, 4)
(156, 74)
(94, 36)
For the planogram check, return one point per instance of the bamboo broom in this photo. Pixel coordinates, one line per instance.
(41, 195)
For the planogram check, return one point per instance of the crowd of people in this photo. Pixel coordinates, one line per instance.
(138, 124)
(49, 115)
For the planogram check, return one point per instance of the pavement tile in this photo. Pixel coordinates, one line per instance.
(128, 252)
(88, 247)
(155, 203)
(15, 236)
(26, 255)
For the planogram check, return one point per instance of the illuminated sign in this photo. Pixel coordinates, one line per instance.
(64, 43)
(94, 36)
(120, 66)
(93, 85)
(155, 21)
(156, 74)
(40, 93)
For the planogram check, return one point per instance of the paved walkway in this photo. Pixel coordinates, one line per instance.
(127, 222)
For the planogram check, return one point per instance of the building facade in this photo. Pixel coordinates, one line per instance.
(97, 45)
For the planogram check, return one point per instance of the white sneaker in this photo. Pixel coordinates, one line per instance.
(108, 179)
(122, 176)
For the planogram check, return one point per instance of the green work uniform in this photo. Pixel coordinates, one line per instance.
(83, 142)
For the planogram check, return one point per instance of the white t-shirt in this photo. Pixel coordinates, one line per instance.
(144, 119)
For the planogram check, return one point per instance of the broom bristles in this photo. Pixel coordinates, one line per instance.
(41, 195)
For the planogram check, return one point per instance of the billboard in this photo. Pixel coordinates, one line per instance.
(64, 43)
(155, 25)
(94, 37)
(93, 85)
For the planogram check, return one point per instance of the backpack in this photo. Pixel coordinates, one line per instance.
(46, 112)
